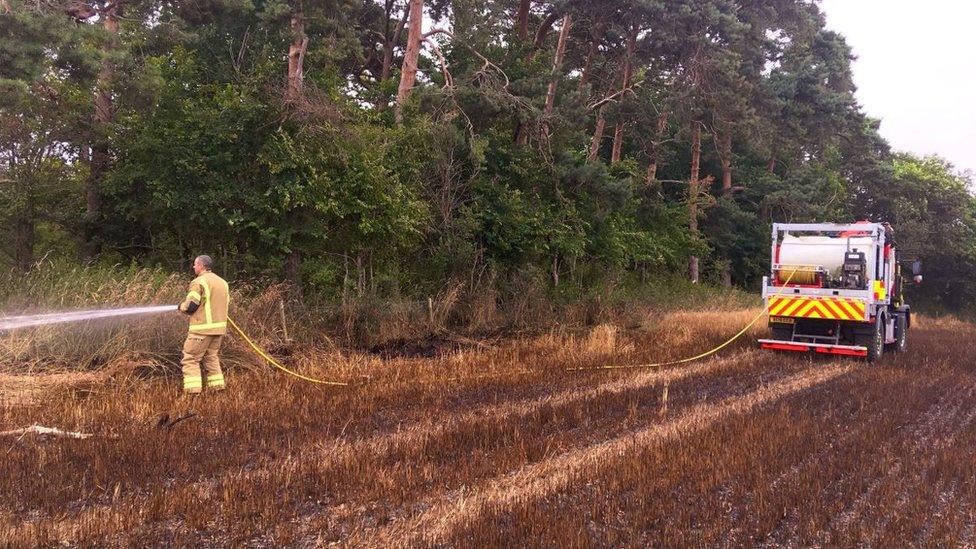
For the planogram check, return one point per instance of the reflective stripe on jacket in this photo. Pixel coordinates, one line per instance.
(211, 294)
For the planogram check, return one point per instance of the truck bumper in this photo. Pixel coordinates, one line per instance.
(821, 348)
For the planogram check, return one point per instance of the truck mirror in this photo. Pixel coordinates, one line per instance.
(917, 269)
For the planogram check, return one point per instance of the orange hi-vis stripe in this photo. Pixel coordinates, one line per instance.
(830, 308)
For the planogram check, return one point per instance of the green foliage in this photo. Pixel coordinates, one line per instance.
(932, 212)
(481, 181)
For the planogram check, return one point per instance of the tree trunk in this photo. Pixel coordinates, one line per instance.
(650, 176)
(590, 56)
(294, 91)
(540, 34)
(693, 194)
(522, 20)
(618, 131)
(408, 74)
(103, 116)
(345, 276)
(557, 64)
(25, 235)
(293, 271)
(521, 133)
(360, 275)
(521, 129)
(655, 153)
(391, 44)
(597, 139)
(725, 158)
(296, 57)
(372, 279)
(618, 138)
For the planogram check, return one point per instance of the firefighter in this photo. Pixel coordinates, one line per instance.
(206, 304)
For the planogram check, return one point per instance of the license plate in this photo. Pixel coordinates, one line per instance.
(782, 320)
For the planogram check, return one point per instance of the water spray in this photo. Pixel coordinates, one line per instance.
(29, 321)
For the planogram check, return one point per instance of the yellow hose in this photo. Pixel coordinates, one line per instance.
(689, 359)
(274, 363)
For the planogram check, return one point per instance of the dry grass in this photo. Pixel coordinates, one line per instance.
(498, 444)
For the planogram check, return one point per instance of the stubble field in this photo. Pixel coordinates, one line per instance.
(499, 444)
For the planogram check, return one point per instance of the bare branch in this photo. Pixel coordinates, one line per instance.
(486, 62)
(613, 97)
(448, 79)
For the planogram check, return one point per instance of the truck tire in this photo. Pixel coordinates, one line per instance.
(876, 342)
(901, 334)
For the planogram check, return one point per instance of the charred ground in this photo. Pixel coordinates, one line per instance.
(503, 446)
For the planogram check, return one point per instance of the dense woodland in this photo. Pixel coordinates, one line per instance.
(390, 148)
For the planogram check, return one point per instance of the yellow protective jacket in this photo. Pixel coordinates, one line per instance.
(206, 303)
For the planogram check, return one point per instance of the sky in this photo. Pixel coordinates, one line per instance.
(916, 71)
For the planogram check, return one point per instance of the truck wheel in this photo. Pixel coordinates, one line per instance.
(876, 343)
(901, 335)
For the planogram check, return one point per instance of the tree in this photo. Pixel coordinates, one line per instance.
(408, 73)
(38, 187)
(932, 211)
(295, 89)
(102, 118)
(44, 104)
(557, 64)
(625, 81)
(694, 190)
(262, 132)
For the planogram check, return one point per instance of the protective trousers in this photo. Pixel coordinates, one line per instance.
(203, 349)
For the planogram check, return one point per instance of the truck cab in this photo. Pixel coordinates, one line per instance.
(835, 289)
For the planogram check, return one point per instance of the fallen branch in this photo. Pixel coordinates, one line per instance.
(166, 422)
(456, 338)
(45, 431)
